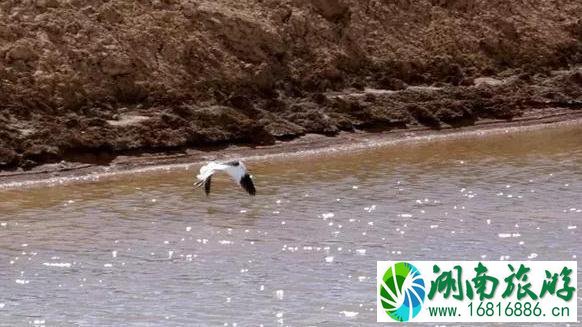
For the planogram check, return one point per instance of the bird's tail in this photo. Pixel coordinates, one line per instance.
(198, 184)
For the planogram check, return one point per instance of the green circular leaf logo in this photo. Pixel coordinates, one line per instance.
(402, 291)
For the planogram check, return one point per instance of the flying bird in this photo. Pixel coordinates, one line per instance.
(236, 169)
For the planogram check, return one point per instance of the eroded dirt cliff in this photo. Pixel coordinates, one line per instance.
(97, 76)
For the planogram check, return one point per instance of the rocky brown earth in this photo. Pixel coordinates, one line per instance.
(125, 77)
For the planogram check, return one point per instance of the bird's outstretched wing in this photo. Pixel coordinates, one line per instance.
(246, 182)
(205, 175)
(207, 185)
(238, 171)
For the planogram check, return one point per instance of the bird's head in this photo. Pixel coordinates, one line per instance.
(234, 163)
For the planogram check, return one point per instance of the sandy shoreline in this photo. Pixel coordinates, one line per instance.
(309, 145)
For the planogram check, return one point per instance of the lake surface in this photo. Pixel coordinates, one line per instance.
(146, 250)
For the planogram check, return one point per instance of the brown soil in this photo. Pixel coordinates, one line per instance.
(86, 80)
(309, 145)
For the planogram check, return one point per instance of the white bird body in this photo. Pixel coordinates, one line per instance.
(236, 169)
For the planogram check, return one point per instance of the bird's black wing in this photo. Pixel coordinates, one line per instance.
(207, 184)
(247, 183)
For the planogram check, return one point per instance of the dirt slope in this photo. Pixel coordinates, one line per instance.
(90, 76)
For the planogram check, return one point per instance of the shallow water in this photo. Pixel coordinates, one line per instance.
(145, 250)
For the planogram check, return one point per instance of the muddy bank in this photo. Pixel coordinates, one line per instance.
(88, 80)
(307, 146)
